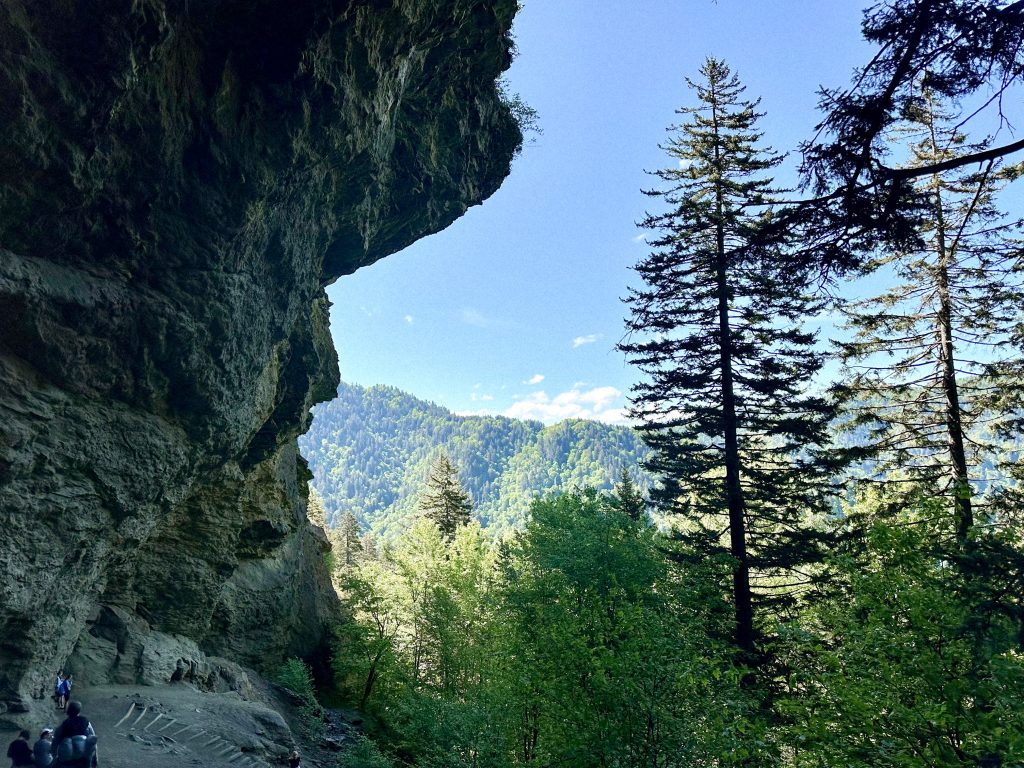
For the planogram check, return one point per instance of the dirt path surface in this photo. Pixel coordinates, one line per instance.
(176, 726)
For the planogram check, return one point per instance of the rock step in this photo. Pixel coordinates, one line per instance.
(215, 751)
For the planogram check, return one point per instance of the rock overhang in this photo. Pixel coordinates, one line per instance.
(178, 183)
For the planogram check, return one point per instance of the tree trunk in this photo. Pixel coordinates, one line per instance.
(962, 509)
(730, 425)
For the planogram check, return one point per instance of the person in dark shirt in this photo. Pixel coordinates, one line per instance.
(19, 751)
(76, 724)
(293, 761)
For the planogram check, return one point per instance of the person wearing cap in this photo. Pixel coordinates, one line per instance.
(42, 754)
(19, 752)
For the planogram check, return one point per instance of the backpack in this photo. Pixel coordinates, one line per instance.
(64, 687)
(76, 749)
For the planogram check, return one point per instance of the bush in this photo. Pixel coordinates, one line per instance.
(364, 754)
(295, 676)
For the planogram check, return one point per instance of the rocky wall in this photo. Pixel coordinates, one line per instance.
(179, 180)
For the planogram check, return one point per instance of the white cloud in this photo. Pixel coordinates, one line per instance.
(599, 397)
(590, 338)
(475, 317)
(478, 398)
(408, 319)
(598, 403)
(537, 378)
(641, 238)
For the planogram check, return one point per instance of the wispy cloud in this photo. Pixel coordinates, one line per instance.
(474, 317)
(598, 403)
(476, 397)
(408, 319)
(641, 238)
(537, 378)
(590, 338)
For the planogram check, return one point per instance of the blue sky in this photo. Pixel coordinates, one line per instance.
(515, 308)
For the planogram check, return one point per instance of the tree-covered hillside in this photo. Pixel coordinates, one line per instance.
(370, 452)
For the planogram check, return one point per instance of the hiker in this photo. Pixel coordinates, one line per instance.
(19, 751)
(74, 743)
(42, 750)
(67, 690)
(293, 761)
(58, 690)
(62, 690)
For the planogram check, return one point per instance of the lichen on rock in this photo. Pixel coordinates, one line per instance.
(179, 181)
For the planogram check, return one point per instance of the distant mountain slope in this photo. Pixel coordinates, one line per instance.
(371, 448)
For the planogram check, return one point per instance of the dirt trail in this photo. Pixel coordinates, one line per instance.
(176, 726)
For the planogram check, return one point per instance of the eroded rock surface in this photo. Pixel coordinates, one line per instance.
(179, 180)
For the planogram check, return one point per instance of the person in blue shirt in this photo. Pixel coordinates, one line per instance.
(42, 750)
(63, 691)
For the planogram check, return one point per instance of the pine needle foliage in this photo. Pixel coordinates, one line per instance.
(349, 546)
(719, 330)
(444, 500)
(934, 363)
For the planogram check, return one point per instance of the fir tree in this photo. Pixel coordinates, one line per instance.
(316, 512)
(444, 500)
(348, 546)
(934, 356)
(627, 497)
(718, 331)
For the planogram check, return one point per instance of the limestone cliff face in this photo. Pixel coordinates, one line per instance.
(179, 180)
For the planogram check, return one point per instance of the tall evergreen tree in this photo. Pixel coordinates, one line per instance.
(934, 355)
(444, 500)
(718, 329)
(348, 545)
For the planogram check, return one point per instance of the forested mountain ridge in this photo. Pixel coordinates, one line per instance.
(370, 451)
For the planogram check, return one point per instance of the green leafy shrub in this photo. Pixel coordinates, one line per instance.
(363, 753)
(295, 676)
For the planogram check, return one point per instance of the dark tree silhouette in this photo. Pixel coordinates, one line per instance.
(959, 49)
(718, 329)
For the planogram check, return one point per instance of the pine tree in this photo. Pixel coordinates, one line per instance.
(627, 497)
(316, 512)
(718, 330)
(934, 356)
(348, 546)
(967, 50)
(444, 500)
